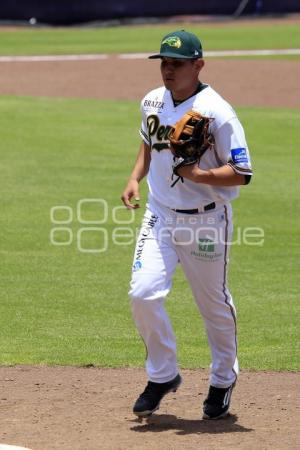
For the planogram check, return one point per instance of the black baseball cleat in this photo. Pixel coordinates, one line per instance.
(149, 400)
(216, 405)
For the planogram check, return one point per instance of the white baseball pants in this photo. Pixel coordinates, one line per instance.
(200, 243)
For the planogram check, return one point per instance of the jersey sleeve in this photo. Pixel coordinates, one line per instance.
(144, 129)
(231, 147)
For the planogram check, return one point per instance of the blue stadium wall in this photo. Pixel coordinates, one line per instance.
(76, 11)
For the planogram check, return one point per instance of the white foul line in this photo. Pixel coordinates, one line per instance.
(12, 447)
(130, 56)
(287, 51)
(217, 53)
(43, 58)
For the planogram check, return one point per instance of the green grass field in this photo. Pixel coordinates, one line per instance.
(144, 39)
(63, 306)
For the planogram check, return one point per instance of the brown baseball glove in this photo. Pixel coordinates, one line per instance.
(189, 139)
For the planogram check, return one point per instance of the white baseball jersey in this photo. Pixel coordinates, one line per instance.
(158, 115)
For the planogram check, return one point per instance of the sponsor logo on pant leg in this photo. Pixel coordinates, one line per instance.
(146, 230)
(137, 266)
(206, 251)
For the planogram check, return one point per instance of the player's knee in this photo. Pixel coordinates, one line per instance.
(144, 288)
(138, 292)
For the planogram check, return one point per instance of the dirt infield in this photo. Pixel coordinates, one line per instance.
(69, 408)
(66, 408)
(242, 82)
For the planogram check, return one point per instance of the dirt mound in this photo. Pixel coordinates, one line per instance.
(62, 408)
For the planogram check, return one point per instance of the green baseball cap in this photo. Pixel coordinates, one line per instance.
(180, 44)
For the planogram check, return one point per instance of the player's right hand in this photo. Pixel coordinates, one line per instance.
(131, 192)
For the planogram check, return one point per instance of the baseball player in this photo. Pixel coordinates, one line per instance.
(188, 219)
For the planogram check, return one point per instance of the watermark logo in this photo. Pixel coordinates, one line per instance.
(92, 226)
(93, 236)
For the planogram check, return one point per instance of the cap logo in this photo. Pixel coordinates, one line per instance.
(172, 41)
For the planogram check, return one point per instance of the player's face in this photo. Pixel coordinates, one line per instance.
(180, 75)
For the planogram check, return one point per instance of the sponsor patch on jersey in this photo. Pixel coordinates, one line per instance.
(153, 104)
(239, 155)
(137, 266)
